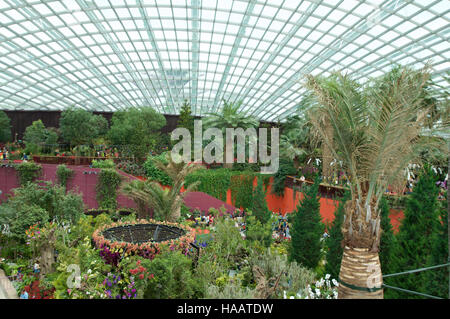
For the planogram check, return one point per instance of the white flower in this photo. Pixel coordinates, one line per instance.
(318, 292)
(291, 297)
(334, 281)
(327, 276)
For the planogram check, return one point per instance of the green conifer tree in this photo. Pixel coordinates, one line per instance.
(334, 241)
(415, 238)
(388, 240)
(259, 206)
(307, 229)
(437, 279)
(186, 120)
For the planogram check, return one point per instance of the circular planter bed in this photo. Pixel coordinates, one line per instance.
(145, 238)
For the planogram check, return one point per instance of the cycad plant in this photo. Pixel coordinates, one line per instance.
(165, 202)
(230, 117)
(293, 143)
(375, 134)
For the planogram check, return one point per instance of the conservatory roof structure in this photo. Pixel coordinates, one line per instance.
(107, 55)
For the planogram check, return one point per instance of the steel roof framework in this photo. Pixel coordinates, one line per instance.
(107, 55)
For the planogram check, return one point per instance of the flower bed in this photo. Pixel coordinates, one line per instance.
(145, 238)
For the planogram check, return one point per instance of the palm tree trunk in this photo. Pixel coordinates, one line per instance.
(326, 153)
(360, 275)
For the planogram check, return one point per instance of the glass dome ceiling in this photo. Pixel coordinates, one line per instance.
(106, 55)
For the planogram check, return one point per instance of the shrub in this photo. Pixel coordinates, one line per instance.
(52, 198)
(153, 172)
(286, 168)
(108, 183)
(107, 163)
(27, 172)
(173, 278)
(257, 231)
(131, 168)
(63, 174)
(293, 277)
(20, 217)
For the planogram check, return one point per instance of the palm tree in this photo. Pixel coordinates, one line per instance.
(293, 144)
(165, 202)
(375, 133)
(230, 117)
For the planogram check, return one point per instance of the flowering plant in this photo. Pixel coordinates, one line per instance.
(114, 251)
(324, 288)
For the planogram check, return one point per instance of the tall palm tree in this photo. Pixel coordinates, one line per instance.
(375, 134)
(294, 143)
(165, 202)
(230, 117)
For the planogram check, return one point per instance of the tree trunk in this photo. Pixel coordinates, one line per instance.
(360, 271)
(327, 157)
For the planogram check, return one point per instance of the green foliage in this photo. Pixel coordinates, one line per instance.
(334, 241)
(20, 216)
(241, 185)
(213, 182)
(79, 126)
(437, 279)
(186, 120)
(285, 169)
(258, 231)
(227, 251)
(28, 172)
(92, 270)
(137, 128)
(35, 137)
(63, 174)
(294, 276)
(387, 240)
(108, 183)
(307, 229)
(52, 198)
(259, 205)
(153, 172)
(5, 128)
(230, 117)
(217, 182)
(415, 237)
(173, 277)
(107, 163)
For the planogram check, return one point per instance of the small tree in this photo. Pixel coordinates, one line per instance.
(437, 279)
(388, 240)
(35, 136)
(334, 241)
(415, 237)
(307, 229)
(5, 128)
(79, 126)
(186, 120)
(137, 128)
(259, 206)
